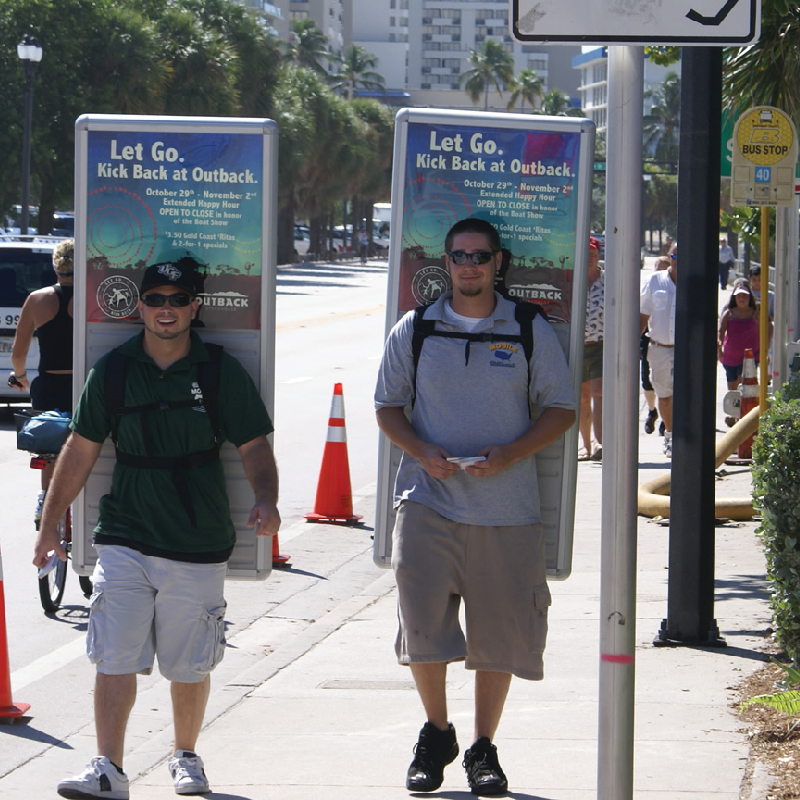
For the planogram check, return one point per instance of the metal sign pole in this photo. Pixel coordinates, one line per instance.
(783, 244)
(763, 317)
(620, 448)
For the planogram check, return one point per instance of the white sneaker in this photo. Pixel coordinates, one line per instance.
(100, 779)
(187, 773)
(668, 444)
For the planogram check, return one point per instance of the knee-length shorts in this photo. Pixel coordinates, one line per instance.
(146, 607)
(662, 364)
(498, 572)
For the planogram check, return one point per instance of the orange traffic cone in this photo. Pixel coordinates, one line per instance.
(278, 560)
(9, 710)
(749, 399)
(334, 501)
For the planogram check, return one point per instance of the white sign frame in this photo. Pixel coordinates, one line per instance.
(254, 346)
(636, 22)
(557, 464)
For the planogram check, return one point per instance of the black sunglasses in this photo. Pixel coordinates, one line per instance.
(158, 300)
(460, 257)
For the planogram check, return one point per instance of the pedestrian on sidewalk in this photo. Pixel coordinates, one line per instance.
(755, 285)
(591, 409)
(727, 258)
(164, 532)
(737, 331)
(662, 262)
(470, 533)
(657, 312)
(363, 244)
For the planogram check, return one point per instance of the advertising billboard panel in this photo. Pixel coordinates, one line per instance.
(159, 189)
(531, 177)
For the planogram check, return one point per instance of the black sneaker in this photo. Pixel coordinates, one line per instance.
(433, 751)
(650, 422)
(484, 774)
(661, 428)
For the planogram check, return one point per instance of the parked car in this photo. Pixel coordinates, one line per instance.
(63, 223)
(301, 242)
(26, 264)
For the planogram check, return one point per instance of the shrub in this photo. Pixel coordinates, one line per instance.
(776, 493)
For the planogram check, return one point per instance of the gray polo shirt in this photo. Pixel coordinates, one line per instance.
(464, 405)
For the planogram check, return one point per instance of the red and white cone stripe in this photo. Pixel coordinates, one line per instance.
(8, 708)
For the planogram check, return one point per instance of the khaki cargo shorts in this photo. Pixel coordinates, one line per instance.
(145, 607)
(500, 574)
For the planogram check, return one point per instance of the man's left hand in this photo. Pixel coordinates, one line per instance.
(498, 458)
(266, 518)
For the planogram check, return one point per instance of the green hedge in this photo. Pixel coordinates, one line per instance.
(776, 494)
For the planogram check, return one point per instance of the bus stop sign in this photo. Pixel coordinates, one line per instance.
(764, 158)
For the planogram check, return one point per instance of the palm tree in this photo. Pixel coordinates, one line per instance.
(203, 66)
(765, 72)
(492, 65)
(555, 103)
(308, 45)
(356, 69)
(527, 86)
(662, 125)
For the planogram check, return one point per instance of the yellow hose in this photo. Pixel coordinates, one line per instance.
(653, 496)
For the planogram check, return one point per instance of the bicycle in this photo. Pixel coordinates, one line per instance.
(52, 576)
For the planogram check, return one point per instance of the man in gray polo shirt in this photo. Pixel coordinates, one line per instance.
(470, 531)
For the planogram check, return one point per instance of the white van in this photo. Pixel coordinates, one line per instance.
(26, 264)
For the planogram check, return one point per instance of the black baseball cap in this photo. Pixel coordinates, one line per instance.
(169, 273)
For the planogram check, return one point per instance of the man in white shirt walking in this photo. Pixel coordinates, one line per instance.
(657, 309)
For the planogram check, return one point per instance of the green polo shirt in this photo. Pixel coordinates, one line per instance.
(143, 510)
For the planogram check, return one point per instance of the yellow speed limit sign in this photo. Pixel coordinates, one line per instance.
(764, 158)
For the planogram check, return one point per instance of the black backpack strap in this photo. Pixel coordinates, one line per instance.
(422, 329)
(114, 388)
(524, 314)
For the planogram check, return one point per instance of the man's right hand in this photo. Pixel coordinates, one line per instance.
(47, 541)
(434, 462)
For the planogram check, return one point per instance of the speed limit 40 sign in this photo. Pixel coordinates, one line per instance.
(764, 158)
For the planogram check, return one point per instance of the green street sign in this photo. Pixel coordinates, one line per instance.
(599, 166)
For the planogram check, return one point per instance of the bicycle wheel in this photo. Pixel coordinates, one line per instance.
(51, 586)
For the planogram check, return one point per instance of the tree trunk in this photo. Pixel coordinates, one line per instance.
(317, 227)
(46, 202)
(286, 234)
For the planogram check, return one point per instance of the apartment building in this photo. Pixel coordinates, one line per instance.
(275, 14)
(332, 17)
(423, 46)
(593, 84)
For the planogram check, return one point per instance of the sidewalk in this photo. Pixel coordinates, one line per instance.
(309, 703)
(326, 712)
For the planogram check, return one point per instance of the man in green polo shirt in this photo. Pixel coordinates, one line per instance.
(164, 532)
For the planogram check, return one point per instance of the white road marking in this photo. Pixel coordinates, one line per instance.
(48, 664)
